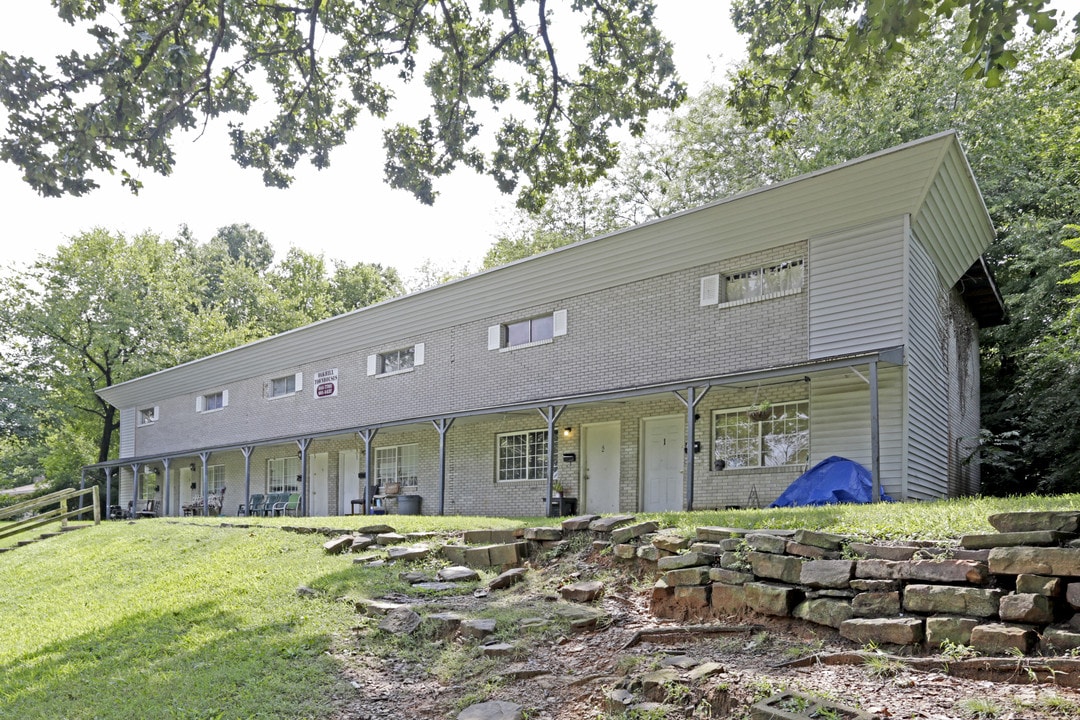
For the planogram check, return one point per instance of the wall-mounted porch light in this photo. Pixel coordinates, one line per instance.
(566, 431)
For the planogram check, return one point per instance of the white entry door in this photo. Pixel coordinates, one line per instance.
(183, 493)
(601, 467)
(348, 480)
(319, 485)
(662, 480)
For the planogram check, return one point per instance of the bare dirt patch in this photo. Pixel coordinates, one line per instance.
(571, 661)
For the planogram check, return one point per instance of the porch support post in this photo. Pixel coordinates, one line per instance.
(165, 462)
(442, 425)
(690, 401)
(246, 450)
(550, 414)
(135, 467)
(205, 457)
(875, 435)
(108, 489)
(367, 436)
(303, 444)
(82, 486)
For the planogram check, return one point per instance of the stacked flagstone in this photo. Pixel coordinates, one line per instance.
(1012, 590)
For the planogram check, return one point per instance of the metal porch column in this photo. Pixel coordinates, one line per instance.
(367, 436)
(108, 489)
(690, 401)
(875, 435)
(550, 414)
(205, 457)
(442, 425)
(135, 467)
(246, 450)
(82, 486)
(303, 444)
(165, 462)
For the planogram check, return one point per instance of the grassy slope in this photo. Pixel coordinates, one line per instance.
(171, 620)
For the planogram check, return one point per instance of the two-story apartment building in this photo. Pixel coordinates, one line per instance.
(849, 299)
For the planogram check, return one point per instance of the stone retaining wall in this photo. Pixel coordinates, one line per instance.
(1017, 589)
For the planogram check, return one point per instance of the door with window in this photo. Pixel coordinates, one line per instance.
(601, 466)
(320, 486)
(662, 463)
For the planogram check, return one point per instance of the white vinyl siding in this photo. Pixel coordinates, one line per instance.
(127, 432)
(840, 422)
(928, 388)
(856, 289)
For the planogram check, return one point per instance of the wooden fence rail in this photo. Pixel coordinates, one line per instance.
(60, 513)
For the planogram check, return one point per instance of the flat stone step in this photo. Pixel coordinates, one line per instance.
(1037, 538)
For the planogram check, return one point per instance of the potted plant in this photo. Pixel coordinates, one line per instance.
(760, 411)
(558, 489)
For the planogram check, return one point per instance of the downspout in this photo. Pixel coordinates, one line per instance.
(875, 435)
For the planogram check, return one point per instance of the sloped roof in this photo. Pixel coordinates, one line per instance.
(885, 184)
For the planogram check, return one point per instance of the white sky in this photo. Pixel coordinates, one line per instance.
(344, 212)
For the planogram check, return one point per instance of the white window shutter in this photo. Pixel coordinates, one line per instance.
(154, 418)
(199, 404)
(494, 337)
(559, 323)
(710, 290)
(418, 354)
(299, 382)
(372, 364)
(224, 398)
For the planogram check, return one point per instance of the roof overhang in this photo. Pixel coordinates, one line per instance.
(981, 295)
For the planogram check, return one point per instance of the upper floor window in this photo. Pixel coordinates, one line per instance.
(148, 416)
(534, 331)
(522, 455)
(285, 385)
(780, 440)
(396, 361)
(759, 283)
(212, 401)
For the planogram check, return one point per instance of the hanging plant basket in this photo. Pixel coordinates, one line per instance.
(760, 412)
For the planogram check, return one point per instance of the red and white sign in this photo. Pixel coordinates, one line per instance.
(326, 383)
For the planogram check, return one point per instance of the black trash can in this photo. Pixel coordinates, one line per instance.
(408, 504)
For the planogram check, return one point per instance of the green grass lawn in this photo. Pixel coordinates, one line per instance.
(168, 619)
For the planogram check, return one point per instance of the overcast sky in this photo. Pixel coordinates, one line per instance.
(344, 212)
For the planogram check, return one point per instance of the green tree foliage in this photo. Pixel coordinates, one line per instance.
(108, 308)
(798, 49)
(103, 310)
(491, 71)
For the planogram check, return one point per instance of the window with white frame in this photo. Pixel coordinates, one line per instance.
(282, 473)
(764, 282)
(782, 440)
(148, 416)
(397, 463)
(215, 478)
(522, 455)
(392, 362)
(285, 385)
(532, 331)
(212, 401)
(148, 484)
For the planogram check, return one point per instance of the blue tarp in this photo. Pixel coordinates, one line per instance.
(833, 480)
